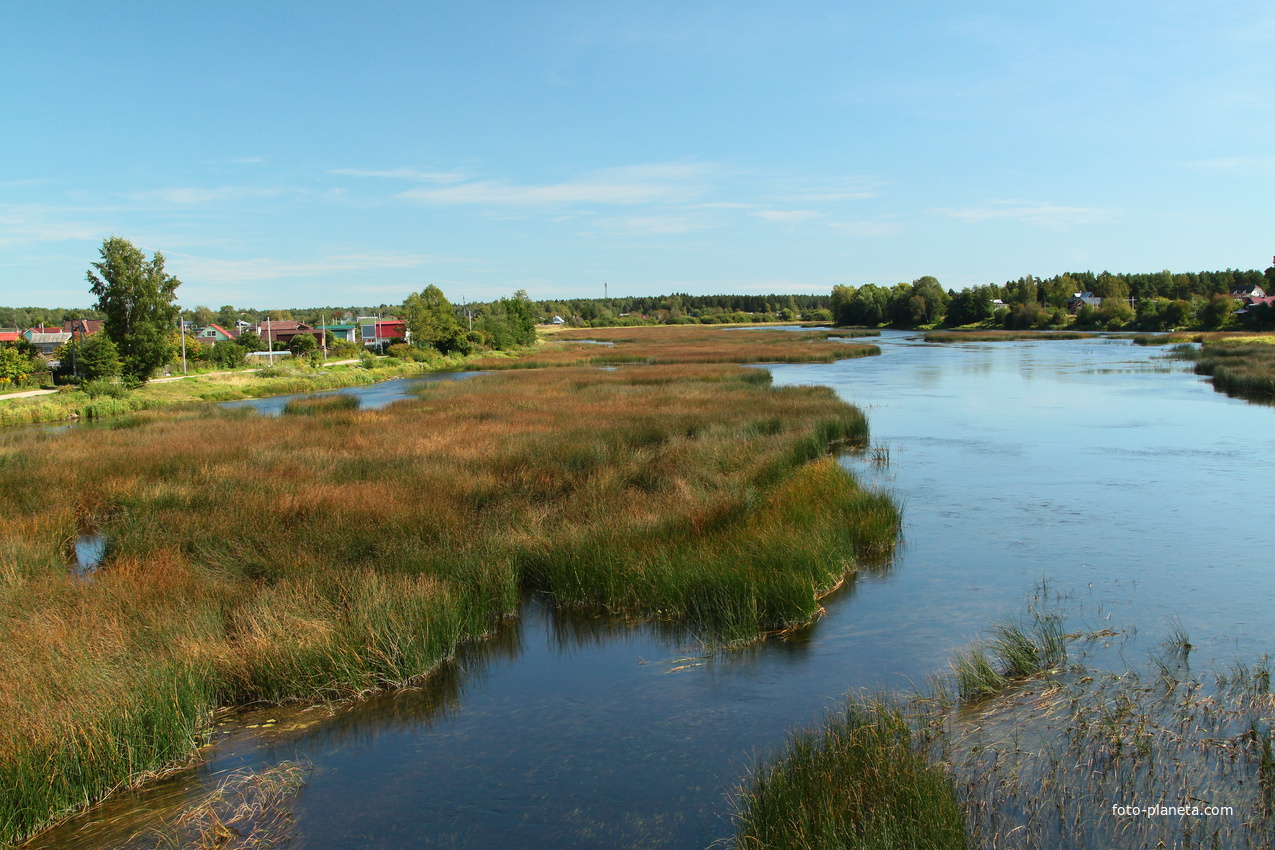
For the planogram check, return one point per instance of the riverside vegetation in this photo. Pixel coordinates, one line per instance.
(689, 344)
(1240, 366)
(99, 400)
(1021, 747)
(326, 555)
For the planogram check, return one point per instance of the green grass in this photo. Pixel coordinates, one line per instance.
(865, 780)
(1035, 753)
(1003, 336)
(1244, 369)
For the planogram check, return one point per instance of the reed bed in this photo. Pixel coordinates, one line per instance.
(873, 774)
(1020, 748)
(1245, 369)
(1002, 336)
(686, 344)
(328, 555)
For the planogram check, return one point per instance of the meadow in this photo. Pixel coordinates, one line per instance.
(332, 552)
(283, 379)
(688, 344)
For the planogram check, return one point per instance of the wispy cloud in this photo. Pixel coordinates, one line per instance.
(270, 268)
(202, 195)
(1044, 215)
(836, 189)
(867, 228)
(788, 216)
(652, 225)
(21, 224)
(411, 174)
(639, 184)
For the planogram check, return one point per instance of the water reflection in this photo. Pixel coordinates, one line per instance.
(370, 396)
(1125, 479)
(90, 551)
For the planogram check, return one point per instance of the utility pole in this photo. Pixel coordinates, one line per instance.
(181, 329)
(605, 296)
(323, 324)
(270, 342)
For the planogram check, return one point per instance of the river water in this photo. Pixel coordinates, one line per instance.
(1127, 482)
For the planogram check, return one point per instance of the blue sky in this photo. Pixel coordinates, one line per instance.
(332, 153)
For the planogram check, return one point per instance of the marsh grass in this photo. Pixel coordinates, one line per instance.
(1003, 336)
(320, 405)
(864, 779)
(1036, 756)
(327, 556)
(681, 344)
(1244, 369)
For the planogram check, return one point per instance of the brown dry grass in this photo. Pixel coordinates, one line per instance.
(685, 344)
(304, 557)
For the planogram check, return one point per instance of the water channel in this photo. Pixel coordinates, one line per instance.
(1115, 473)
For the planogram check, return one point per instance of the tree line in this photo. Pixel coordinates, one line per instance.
(1153, 301)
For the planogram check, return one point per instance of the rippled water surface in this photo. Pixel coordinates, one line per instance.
(1124, 479)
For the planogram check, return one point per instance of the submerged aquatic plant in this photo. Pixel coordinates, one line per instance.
(1067, 757)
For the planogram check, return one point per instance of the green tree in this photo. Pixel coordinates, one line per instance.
(1215, 313)
(228, 354)
(14, 367)
(431, 320)
(303, 344)
(969, 306)
(227, 316)
(89, 358)
(137, 298)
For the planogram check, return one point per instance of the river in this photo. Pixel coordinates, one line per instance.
(1123, 479)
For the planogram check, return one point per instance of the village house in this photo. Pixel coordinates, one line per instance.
(284, 331)
(1083, 299)
(344, 332)
(47, 340)
(82, 327)
(379, 332)
(214, 334)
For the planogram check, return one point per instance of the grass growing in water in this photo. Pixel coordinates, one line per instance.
(246, 810)
(321, 405)
(1002, 336)
(1038, 758)
(865, 779)
(1245, 369)
(303, 557)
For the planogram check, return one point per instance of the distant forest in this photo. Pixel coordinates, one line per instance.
(922, 302)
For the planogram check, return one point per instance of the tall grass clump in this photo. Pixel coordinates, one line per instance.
(323, 557)
(1240, 369)
(321, 404)
(1050, 762)
(864, 779)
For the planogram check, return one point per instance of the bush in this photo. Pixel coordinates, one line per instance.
(303, 344)
(228, 354)
(101, 387)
